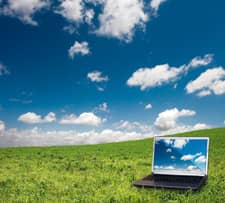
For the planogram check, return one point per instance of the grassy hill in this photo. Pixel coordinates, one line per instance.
(100, 173)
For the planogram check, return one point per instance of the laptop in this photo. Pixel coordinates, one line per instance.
(178, 162)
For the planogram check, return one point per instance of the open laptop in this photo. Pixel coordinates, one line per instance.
(178, 162)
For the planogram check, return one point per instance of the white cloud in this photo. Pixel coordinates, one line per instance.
(39, 137)
(33, 118)
(2, 126)
(162, 74)
(200, 126)
(224, 122)
(167, 119)
(169, 167)
(204, 93)
(185, 128)
(100, 89)
(120, 18)
(210, 81)
(180, 143)
(156, 76)
(148, 106)
(168, 141)
(189, 156)
(169, 150)
(201, 159)
(155, 4)
(70, 29)
(79, 48)
(30, 118)
(96, 76)
(191, 168)
(103, 107)
(89, 15)
(127, 125)
(72, 10)
(86, 118)
(164, 167)
(24, 10)
(172, 157)
(3, 70)
(50, 117)
(200, 61)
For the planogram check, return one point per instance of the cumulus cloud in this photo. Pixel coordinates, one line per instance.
(128, 125)
(168, 141)
(169, 150)
(201, 159)
(75, 12)
(103, 107)
(39, 137)
(3, 69)
(89, 15)
(50, 117)
(78, 48)
(33, 118)
(167, 119)
(185, 128)
(155, 76)
(162, 74)
(188, 157)
(180, 143)
(72, 10)
(96, 76)
(200, 61)
(86, 118)
(148, 106)
(24, 10)
(168, 167)
(154, 4)
(2, 126)
(210, 81)
(204, 93)
(200, 126)
(191, 167)
(30, 118)
(120, 18)
(164, 167)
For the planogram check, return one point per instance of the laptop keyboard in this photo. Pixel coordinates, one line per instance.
(171, 181)
(174, 179)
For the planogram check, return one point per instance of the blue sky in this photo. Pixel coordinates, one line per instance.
(181, 155)
(121, 69)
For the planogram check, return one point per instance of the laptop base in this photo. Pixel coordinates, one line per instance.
(171, 181)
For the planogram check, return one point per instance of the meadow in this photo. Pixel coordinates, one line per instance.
(100, 173)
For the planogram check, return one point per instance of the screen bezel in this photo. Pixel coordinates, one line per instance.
(174, 173)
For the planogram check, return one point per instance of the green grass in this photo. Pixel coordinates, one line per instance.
(100, 173)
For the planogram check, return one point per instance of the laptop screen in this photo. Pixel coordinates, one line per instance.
(180, 156)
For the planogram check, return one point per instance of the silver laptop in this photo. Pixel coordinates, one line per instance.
(178, 162)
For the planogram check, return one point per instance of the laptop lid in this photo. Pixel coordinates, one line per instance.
(180, 156)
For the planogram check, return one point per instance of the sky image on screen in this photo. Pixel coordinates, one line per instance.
(181, 156)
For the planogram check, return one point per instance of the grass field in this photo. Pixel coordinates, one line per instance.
(100, 173)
